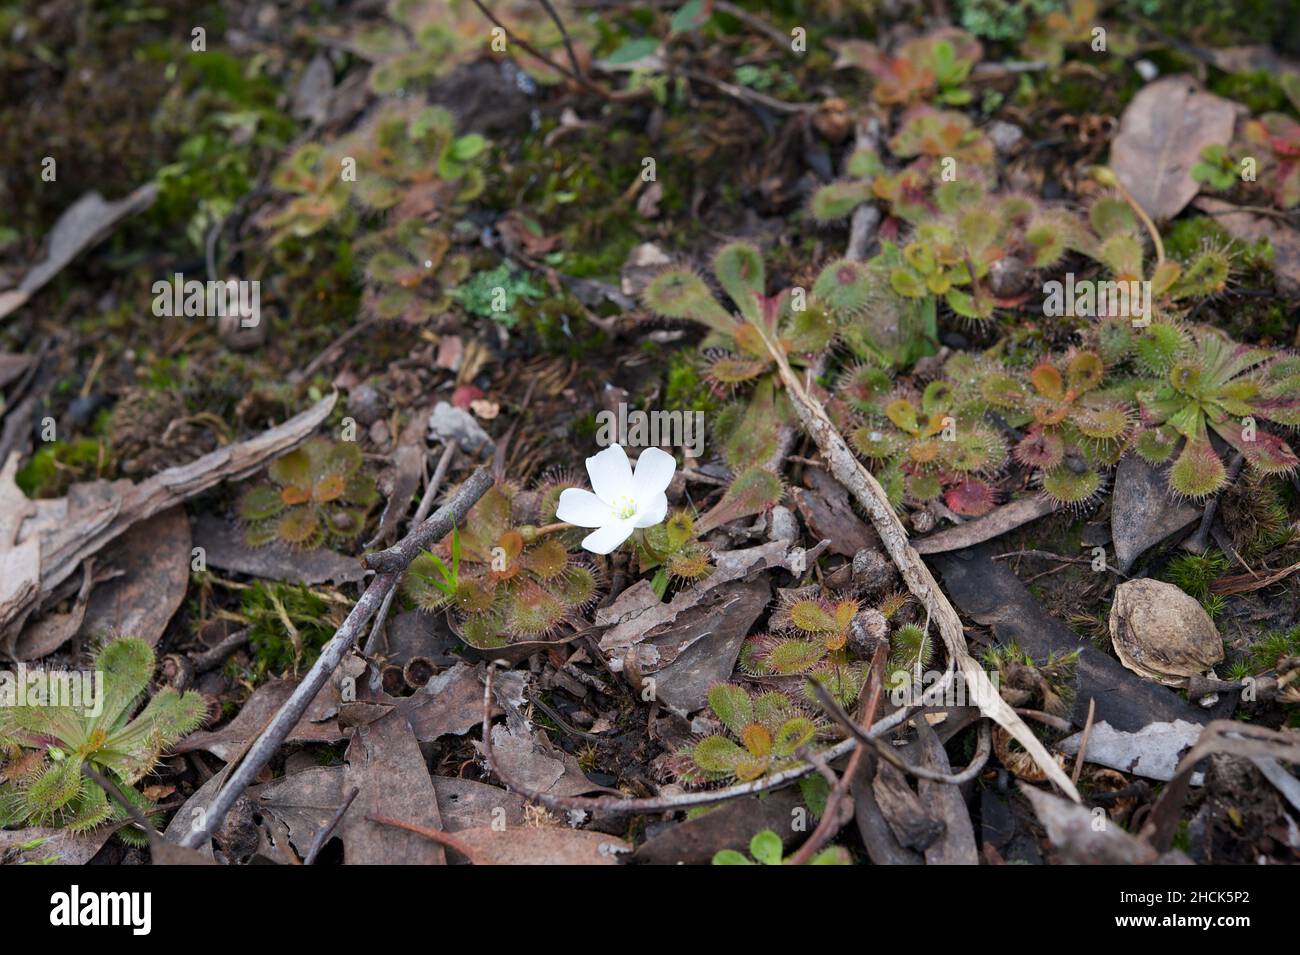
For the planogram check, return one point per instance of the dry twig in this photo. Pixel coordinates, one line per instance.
(399, 556)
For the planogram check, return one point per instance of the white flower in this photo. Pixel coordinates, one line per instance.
(622, 501)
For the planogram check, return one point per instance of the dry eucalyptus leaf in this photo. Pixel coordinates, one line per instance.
(525, 846)
(318, 724)
(1161, 135)
(384, 762)
(1161, 633)
(225, 549)
(68, 848)
(154, 560)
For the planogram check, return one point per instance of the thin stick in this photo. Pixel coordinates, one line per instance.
(1199, 541)
(755, 23)
(830, 822)
(1083, 741)
(746, 95)
(131, 808)
(613, 804)
(323, 836)
(211, 659)
(332, 654)
(433, 835)
(564, 35)
(331, 350)
(538, 54)
(885, 752)
(920, 582)
(421, 512)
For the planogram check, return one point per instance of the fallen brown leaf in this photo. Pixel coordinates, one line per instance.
(1161, 135)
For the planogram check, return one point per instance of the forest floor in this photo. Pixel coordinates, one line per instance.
(954, 346)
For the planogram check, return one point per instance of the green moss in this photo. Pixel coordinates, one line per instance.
(1003, 19)
(54, 467)
(1194, 573)
(1259, 90)
(275, 652)
(686, 389)
(1211, 23)
(560, 324)
(498, 294)
(1264, 653)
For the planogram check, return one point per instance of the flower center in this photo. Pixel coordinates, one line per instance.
(623, 507)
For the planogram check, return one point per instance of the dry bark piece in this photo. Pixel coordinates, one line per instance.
(1143, 513)
(1161, 134)
(399, 483)
(54, 629)
(69, 529)
(989, 592)
(827, 511)
(995, 523)
(13, 366)
(957, 845)
(20, 564)
(883, 848)
(701, 646)
(637, 610)
(693, 640)
(1161, 633)
(910, 819)
(1152, 751)
(1075, 835)
(83, 224)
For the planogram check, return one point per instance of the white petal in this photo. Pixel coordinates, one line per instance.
(653, 513)
(654, 470)
(605, 539)
(582, 508)
(611, 475)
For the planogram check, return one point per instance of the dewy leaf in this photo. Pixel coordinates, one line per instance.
(766, 847)
(732, 705)
(689, 16)
(740, 272)
(1161, 135)
(752, 492)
